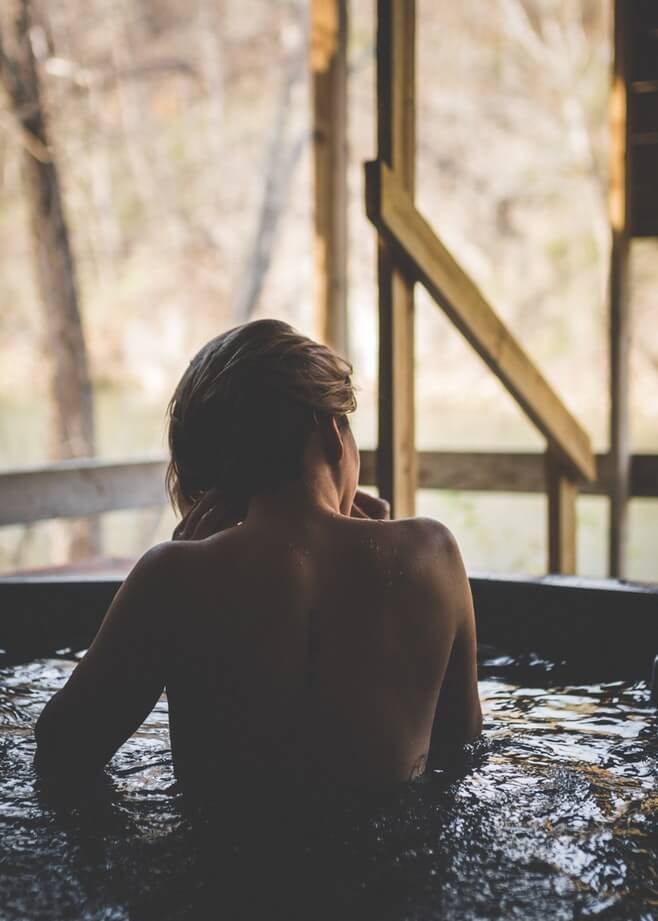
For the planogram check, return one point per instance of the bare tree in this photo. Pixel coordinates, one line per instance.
(281, 158)
(72, 431)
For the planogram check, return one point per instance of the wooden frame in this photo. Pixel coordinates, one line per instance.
(396, 454)
(562, 494)
(633, 211)
(619, 305)
(428, 261)
(92, 487)
(408, 250)
(328, 63)
(75, 488)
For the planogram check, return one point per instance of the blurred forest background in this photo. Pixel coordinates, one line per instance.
(181, 136)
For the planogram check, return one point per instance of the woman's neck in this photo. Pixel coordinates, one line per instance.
(299, 499)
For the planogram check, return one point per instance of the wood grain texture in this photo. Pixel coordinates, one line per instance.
(393, 211)
(76, 488)
(619, 293)
(328, 59)
(396, 146)
(562, 494)
(512, 472)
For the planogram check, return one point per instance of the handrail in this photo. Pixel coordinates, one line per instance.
(393, 212)
(72, 489)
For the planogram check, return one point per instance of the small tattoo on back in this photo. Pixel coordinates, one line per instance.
(418, 767)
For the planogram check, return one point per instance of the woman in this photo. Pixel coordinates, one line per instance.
(297, 632)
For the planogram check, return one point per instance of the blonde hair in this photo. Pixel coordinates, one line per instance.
(242, 411)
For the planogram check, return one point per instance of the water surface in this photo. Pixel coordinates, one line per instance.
(552, 814)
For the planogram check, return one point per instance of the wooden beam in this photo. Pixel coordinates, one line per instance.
(393, 211)
(328, 59)
(71, 489)
(77, 488)
(396, 146)
(516, 472)
(644, 476)
(562, 494)
(619, 317)
(636, 63)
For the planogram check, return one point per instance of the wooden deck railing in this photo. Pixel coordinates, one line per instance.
(392, 211)
(410, 252)
(91, 487)
(76, 488)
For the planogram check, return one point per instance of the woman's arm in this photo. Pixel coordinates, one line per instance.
(117, 683)
(458, 717)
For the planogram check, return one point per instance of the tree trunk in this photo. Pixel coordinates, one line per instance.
(280, 162)
(72, 425)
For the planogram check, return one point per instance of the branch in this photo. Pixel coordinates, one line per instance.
(30, 142)
(84, 78)
(518, 22)
(7, 70)
(4, 60)
(10, 68)
(281, 161)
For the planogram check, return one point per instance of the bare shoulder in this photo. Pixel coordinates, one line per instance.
(156, 562)
(433, 551)
(155, 572)
(428, 535)
(167, 563)
(170, 570)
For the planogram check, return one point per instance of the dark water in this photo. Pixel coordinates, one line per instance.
(553, 814)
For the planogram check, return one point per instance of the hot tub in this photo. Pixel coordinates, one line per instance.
(553, 813)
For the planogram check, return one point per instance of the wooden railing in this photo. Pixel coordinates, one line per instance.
(91, 487)
(633, 212)
(428, 261)
(81, 487)
(410, 252)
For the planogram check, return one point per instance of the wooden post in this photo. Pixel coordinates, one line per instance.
(562, 493)
(619, 295)
(396, 457)
(329, 94)
(426, 259)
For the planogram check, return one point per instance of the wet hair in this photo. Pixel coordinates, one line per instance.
(241, 414)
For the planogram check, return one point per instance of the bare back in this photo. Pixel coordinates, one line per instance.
(320, 650)
(337, 648)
